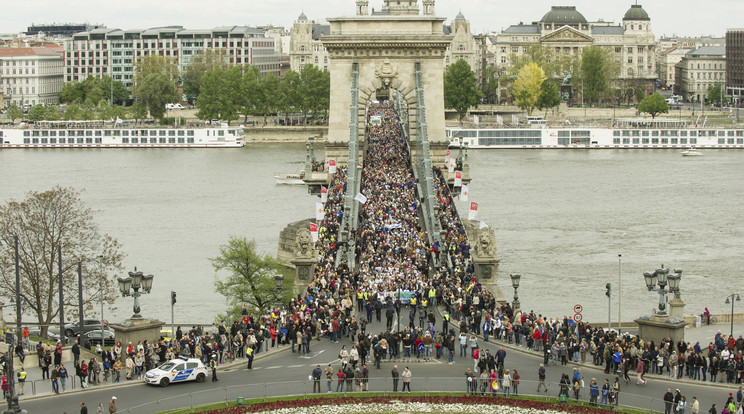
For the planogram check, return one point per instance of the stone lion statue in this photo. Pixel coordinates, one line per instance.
(485, 242)
(304, 243)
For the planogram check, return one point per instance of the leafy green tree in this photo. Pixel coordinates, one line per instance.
(639, 94)
(528, 86)
(13, 112)
(43, 222)
(293, 93)
(250, 91)
(316, 85)
(73, 112)
(221, 95)
(138, 111)
(713, 94)
(72, 92)
(269, 96)
(156, 64)
(88, 110)
(251, 276)
(202, 62)
(155, 91)
(460, 90)
(653, 105)
(37, 113)
(550, 96)
(490, 85)
(596, 71)
(52, 113)
(541, 55)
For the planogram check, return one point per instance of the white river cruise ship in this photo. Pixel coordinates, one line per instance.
(623, 133)
(97, 134)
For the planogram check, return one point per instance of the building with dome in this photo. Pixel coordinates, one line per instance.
(565, 30)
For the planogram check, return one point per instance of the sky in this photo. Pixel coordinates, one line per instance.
(668, 17)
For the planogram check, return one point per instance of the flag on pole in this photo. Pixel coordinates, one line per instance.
(473, 213)
(458, 179)
(447, 156)
(360, 198)
(332, 166)
(464, 193)
(323, 194)
(314, 232)
(319, 213)
(451, 165)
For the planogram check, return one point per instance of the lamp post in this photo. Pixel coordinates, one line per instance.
(131, 285)
(730, 299)
(662, 278)
(515, 284)
(102, 278)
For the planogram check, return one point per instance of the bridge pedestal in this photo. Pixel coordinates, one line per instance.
(305, 272)
(656, 328)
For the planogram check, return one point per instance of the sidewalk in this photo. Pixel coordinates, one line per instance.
(38, 388)
(704, 335)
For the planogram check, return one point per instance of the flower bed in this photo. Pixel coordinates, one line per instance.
(411, 404)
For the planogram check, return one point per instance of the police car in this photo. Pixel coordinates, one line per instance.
(177, 370)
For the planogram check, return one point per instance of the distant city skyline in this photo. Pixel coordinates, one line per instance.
(668, 17)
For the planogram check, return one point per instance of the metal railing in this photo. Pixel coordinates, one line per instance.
(427, 385)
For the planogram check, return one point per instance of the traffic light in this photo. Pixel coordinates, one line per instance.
(609, 289)
(173, 298)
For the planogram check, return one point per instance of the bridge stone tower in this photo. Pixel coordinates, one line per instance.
(386, 46)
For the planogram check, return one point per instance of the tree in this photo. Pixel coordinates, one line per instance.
(37, 113)
(713, 95)
(596, 70)
(152, 64)
(316, 85)
(72, 112)
(490, 85)
(528, 86)
(542, 55)
(221, 94)
(138, 110)
(653, 105)
(13, 112)
(155, 91)
(293, 96)
(43, 222)
(52, 113)
(201, 62)
(72, 92)
(460, 89)
(550, 96)
(251, 276)
(639, 94)
(250, 91)
(269, 95)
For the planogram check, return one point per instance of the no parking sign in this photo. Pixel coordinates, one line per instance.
(577, 310)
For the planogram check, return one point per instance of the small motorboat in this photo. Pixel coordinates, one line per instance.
(691, 152)
(290, 179)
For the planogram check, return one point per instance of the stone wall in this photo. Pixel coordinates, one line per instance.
(286, 250)
(285, 134)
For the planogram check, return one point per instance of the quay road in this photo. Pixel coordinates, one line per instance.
(286, 373)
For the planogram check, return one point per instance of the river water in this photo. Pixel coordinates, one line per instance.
(561, 218)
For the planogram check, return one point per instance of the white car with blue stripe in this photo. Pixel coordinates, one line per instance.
(177, 370)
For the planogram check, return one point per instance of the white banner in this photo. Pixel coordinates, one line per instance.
(483, 225)
(464, 193)
(360, 198)
(319, 213)
(331, 166)
(451, 165)
(458, 179)
(323, 194)
(473, 213)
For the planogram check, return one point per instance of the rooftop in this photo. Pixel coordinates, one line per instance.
(636, 12)
(563, 15)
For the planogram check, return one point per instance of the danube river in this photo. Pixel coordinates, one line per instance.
(561, 218)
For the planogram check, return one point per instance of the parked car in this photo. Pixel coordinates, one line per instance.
(94, 337)
(88, 325)
(177, 370)
(174, 106)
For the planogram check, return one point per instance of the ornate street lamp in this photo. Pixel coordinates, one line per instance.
(662, 278)
(730, 299)
(515, 284)
(131, 285)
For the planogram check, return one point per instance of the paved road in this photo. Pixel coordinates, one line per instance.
(286, 373)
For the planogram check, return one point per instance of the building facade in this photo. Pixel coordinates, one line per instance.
(700, 69)
(31, 75)
(565, 31)
(114, 52)
(305, 47)
(735, 64)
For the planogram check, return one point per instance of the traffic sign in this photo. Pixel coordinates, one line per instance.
(578, 308)
(577, 317)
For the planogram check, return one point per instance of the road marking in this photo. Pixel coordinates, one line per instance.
(296, 366)
(275, 367)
